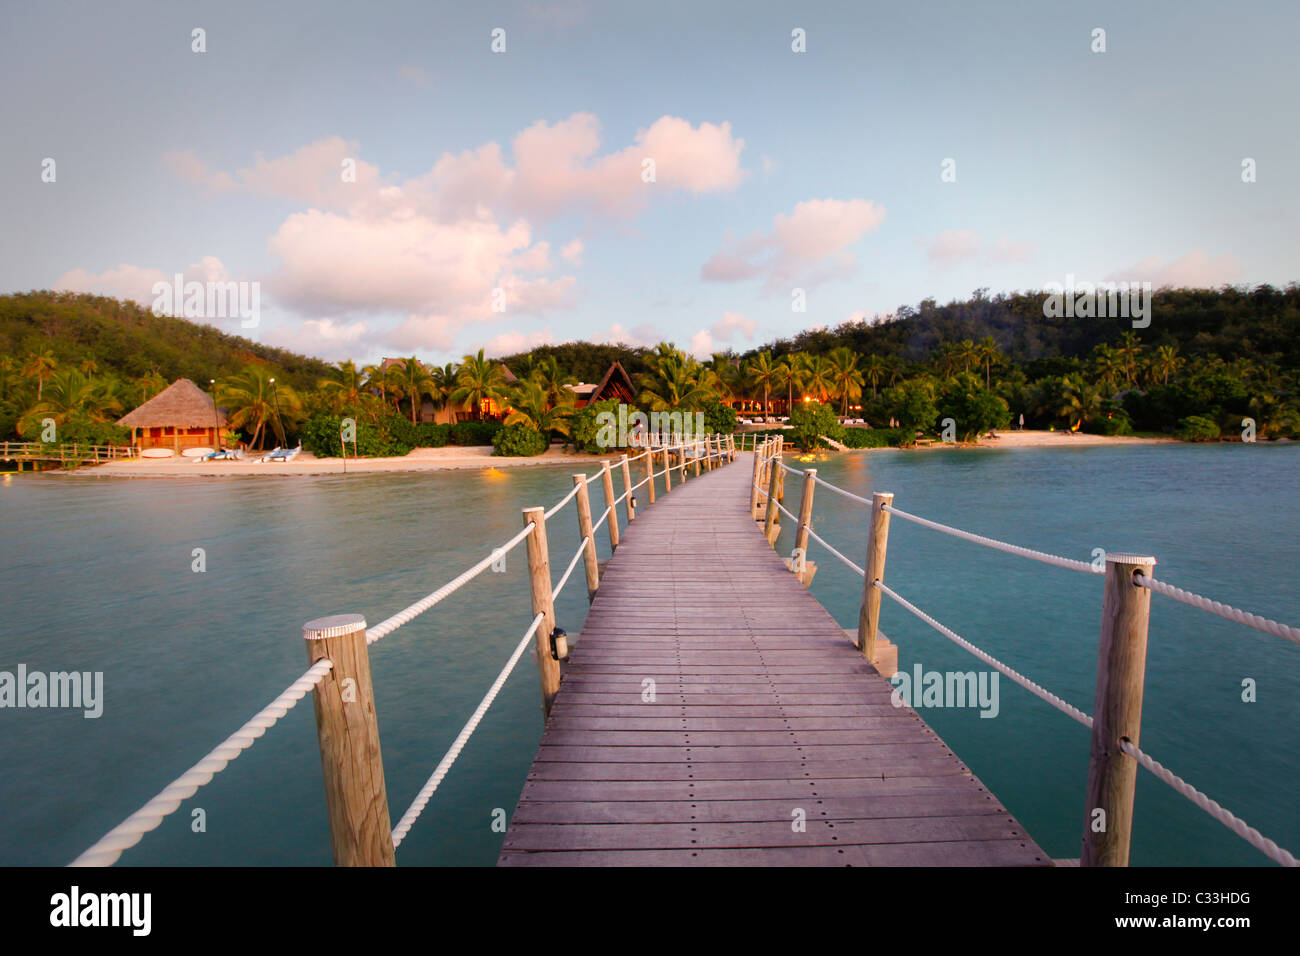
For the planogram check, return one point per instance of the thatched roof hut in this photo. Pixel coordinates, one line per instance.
(182, 415)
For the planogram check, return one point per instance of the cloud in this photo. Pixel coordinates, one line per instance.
(326, 338)
(510, 343)
(645, 334)
(804, 249)
(136, 282)
(1195, 270)
(572, 252)
(730, 327)
(955, 246)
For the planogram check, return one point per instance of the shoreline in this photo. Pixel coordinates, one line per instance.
(470, 458)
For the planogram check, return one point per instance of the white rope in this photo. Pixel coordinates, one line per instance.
(840, 491)
(1042, 556)
(816, 537)
(562, 502)
(1043, 694)
(426, 792)
(555, 591)
(1226, 611)
(602, 519)
(1226, 817)
(131, 830)
(384, 628)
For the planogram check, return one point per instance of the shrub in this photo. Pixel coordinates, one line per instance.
(858, 437)
(1198, 428)
(583, 427)
(1115, 422)
(811, 421)
(519, 441)
(386, 437)
(912, 403)
(473, 433)
(719, 419)
(429, 435)
(973, 408)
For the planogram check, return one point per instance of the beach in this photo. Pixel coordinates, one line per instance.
(458, 458)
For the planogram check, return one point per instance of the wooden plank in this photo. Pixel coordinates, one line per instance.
(762, 707)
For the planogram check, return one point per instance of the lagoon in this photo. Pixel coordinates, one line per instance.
(97, 575)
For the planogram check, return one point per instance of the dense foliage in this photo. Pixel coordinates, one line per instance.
(812, 421)
(519, 440)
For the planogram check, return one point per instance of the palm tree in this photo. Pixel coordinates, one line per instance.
(40, 366)
(874, 369)
(791, 365)
(844, 373)
(414, 382)
(444, 384)
(73, 392)
(546, 373)
(1130, 349)
(530, 405)
(346, 389)
(677, 382)
(988, 353)
(967, 352)
(817, 379)
(1167, 361)
(1108, 364)
(1080, 402)
(88, 366)
(764, 374)
(478, 380)
(253, 400)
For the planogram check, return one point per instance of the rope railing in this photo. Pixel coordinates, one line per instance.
(127, 834)
(1178, 784)
(131, 831)
(1226, 611)
(444, 765)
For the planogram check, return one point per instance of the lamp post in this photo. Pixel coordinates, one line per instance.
(279, 426)
(216, 417)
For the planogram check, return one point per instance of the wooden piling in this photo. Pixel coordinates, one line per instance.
(347, 728)
(1116, 712)
(753, 485)
(650, 473)
(877, 544)
(586, 533)
(805, 510)
(539, 586)
(770, 530)
(607, 482)
(668, 472)
(630, 500)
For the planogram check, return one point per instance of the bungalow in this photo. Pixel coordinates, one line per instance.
(452, 412)
(180, 416)
(616, 385)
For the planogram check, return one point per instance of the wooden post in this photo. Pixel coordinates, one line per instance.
(539, 585)
(1116, 712)
(585, 533)
(769, 521)
(668, 472)
(877, 543)
(650, 473)
(347, 729)
(805, 510)
(753, 486)
(629, 501)
(607, 480)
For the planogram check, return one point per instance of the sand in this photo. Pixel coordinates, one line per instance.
(454, 458)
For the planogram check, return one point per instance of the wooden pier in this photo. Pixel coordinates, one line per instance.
(714, 713)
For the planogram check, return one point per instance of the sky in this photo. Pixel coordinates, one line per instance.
(712, 174)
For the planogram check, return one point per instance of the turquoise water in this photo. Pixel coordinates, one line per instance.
(96, 575)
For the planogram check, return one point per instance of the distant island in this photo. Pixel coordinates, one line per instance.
(1211, 365)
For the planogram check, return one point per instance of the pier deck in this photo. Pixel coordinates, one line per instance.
(713, 713)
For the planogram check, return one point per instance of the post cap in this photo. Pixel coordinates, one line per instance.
(336, 625)
(1121, 557)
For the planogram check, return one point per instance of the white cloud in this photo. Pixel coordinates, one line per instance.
(572, 252)
(136, 282)
(955, 246)
(806, 248)
(1195, 270)
(511, 343)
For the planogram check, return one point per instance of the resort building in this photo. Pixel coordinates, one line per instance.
(180, 416)
(616, 385)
